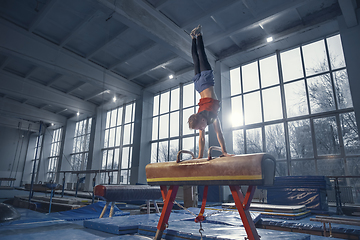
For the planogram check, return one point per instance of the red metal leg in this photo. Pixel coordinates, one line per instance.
(165, 213)
(243, 205)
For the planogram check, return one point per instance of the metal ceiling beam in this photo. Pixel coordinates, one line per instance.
(112, 40)
(73, 88)
(17, 110)
(142, 16)
(17, 86)
(55, 79)
(206, 14)
(250, 23)
(3, 64)
(11, 122)
(20, 43)
(161, 3)
(150, 68)
(132, 55)
(348, 12)
(29, 73)
(42, 14)
(97, 93)
(78, 28)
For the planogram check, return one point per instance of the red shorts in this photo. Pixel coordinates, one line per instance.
(209, 104)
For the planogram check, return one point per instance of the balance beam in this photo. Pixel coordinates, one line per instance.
(117, 193)
(251, 169)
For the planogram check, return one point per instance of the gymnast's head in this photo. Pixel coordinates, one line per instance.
(197, 122)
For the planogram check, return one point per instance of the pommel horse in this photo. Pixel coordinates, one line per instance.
(250, 169)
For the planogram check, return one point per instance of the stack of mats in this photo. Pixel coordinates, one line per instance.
(276, 211)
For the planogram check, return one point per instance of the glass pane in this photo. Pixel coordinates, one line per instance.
(174, 149)
(186, 114)
(175, 99)
(112, 137)
(119, 117)
(188, 98)
(326, 135)
(238, 142)
(252, 108)
(108, 115)
(269, 71)
(133, 112)
(124, 177)
(275, 140)
(118, 136)
(125, 158)
(164, 126)
(154, 152)
(114, 177)
(300, 139)
(342, 89)
(127, 133)
(272, 104)
(330, 167)
(174, 124)
(163, 151)
(110, 159)
(130, 156)
(128, 113)
(156, 105)
(116, 158)
(113, 118)
(187, 144)
(295, 98)
(106, 138)
(321, 94)
(250, 77)
(104, 159)
(254, 141)
(236, 112)
(281, 169)
(155, 126)
(291, 64)
(315, 58)
(235, 87)
(336, 52)
(89, 125)
(350, 133)
(164, 102)
(303, 168)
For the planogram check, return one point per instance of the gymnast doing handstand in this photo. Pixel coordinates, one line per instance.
(209, 104)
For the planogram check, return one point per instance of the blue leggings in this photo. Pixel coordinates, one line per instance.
(201, 62)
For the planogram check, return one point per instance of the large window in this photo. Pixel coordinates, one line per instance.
(54, 154)
(118, 144)
(170, 130)
(36, 159)
(79, 156)
(296, 105)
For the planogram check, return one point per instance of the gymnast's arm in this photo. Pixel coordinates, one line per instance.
(220, 138)
(201, 143)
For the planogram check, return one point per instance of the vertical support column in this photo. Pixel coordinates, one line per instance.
(165, 214)
(243, 204)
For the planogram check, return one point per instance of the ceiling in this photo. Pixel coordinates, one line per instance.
(63, 57)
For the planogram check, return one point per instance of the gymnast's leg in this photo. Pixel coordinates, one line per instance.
(204, 63)
(195, 56)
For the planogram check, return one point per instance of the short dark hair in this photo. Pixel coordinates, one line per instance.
(194, 120)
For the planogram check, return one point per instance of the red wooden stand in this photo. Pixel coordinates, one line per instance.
(242, 204)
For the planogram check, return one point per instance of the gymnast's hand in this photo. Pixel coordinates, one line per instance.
(225, 154)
